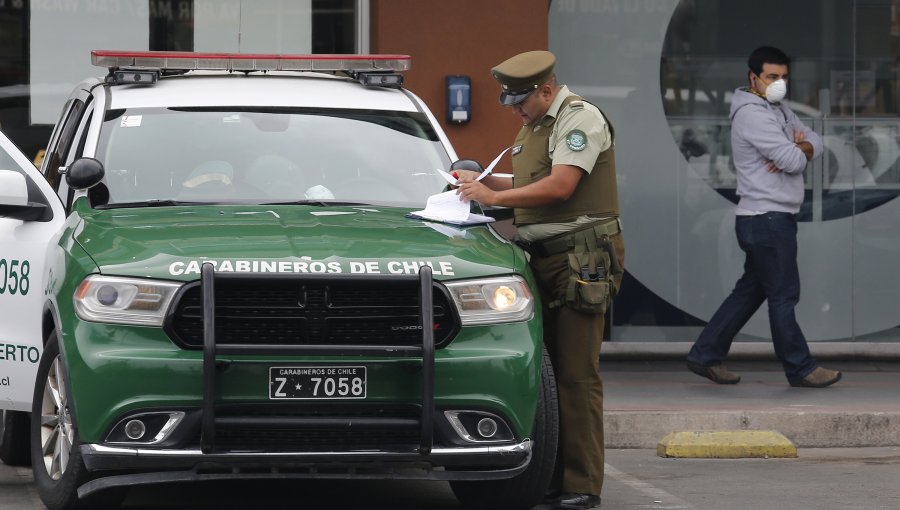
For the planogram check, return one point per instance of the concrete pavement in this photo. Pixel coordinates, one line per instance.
(650, 393)
(820, 479)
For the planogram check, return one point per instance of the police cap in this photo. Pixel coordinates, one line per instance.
(520, 75)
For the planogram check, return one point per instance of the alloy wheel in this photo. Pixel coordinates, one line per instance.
(57, 434)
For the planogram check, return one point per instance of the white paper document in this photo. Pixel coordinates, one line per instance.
(487, 171)
(446, 207)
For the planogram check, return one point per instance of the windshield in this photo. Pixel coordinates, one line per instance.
(169, 155)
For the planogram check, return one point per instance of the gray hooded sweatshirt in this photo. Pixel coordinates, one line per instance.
(761, 132)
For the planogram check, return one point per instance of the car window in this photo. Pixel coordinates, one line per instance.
(75, 151)
(58, 152)
(269, 156)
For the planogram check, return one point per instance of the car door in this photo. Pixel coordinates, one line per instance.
(24, 245)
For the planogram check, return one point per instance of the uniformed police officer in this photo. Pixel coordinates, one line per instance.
(566, 209)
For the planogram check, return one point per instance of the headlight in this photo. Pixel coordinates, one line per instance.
(492, 300)
(124, 300)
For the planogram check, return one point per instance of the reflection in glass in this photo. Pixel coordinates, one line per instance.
(848, 106)
(288, 155)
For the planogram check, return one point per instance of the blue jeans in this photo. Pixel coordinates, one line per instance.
(770, 273)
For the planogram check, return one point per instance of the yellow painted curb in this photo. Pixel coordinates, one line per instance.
(727, 444)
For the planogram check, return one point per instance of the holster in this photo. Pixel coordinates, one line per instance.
(593, 265)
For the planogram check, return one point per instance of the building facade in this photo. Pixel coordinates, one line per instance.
(662, 70)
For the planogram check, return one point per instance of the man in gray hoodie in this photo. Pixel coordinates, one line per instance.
(771, 148)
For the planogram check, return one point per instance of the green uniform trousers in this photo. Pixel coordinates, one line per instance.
(573, 341)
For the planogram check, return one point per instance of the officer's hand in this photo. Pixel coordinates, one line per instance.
(463, 176)
(474, 190)
(772, 168)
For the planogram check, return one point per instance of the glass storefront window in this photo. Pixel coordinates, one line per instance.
(665, 71)
(14, 90)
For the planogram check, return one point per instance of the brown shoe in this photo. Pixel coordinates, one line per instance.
(716, 373)
(818, 378)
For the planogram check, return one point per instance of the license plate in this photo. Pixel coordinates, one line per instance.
(317, 383)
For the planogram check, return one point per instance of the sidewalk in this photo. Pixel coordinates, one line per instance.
(645, 400)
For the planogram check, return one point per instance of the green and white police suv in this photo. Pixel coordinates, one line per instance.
(214, 276)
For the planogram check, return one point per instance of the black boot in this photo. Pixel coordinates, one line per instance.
(577, 501)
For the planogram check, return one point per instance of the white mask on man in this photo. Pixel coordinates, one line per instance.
(776, 91)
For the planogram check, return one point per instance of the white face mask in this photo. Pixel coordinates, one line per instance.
(776, 91)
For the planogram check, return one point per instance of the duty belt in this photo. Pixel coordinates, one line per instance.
(566, 242)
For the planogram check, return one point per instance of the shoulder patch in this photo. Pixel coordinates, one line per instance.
(576, 140)
(576, 105)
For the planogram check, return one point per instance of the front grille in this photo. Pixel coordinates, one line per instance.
(315, 439)
(293, 312)
(277, 437)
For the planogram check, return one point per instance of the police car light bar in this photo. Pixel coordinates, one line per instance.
(186, 60)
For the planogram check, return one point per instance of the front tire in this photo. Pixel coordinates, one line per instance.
(528, 488)
(14, 438)
(56, 457)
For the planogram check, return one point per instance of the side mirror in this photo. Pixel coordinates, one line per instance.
(13, 188)
(14, 198)
(84, 173)
(467, 164)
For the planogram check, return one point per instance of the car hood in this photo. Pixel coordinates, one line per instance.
(172, 242)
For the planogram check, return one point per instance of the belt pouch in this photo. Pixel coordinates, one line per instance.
(588, 289)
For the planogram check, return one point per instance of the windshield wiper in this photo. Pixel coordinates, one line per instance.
(173, 203)
(150, 203)
(319, 203)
